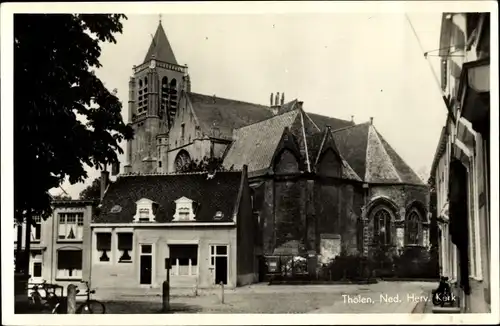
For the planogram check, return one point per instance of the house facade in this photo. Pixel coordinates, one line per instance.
(60, 245)
(461, 168)
(201, 222)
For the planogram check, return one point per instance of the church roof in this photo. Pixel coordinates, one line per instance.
(160, 47)
(319, 120)
(371, 156)
(323, 121)
(210, 195)
(255, 144)
(225, 114)
(318, 143)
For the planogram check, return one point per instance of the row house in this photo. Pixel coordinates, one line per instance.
(201, 222)
(461, 168)
(58, 244)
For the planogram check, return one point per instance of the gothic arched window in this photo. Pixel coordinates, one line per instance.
(382, 226)
(181, 160)
(413, 228)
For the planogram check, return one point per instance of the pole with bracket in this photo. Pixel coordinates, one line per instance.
(166, 287)
(221, 292)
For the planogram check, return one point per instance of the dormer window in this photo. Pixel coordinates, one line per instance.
(184, 210)
(144, 211)
(144, 215)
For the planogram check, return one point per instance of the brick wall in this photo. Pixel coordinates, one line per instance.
(329, 164)
(402, 195)
(289, 224)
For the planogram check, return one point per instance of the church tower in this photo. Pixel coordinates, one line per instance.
(154, 91)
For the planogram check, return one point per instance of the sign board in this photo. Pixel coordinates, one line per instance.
(168, 264)
(329, 248)
(272, 264)
(400, 236)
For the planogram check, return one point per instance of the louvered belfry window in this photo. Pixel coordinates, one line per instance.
(142, 96)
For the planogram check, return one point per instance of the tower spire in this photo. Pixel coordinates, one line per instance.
(159, 19)
(160, 47)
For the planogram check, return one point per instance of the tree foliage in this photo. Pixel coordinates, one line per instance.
(61, 197)
(207, 164)
(54, 82)
(93, 191)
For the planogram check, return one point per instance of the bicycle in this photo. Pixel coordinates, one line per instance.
(90, 306)
(50, 300)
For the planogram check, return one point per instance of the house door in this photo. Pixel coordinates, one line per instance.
(146, 264)
(35, 270)
(459, 216)
(36, 267)
(219, 261)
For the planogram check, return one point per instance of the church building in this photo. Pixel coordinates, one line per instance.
(319, 185)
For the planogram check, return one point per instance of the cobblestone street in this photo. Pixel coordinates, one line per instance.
(384, 297)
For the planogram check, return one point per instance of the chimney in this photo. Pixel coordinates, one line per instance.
(352, 118)
(104, 182)
(371, 120)
(277, 98)
(271, 100)
(282, 98)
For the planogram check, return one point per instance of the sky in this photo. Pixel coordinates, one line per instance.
(339, 64)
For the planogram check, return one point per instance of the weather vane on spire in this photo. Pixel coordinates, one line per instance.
(160, 18)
